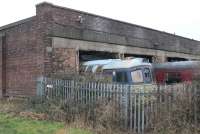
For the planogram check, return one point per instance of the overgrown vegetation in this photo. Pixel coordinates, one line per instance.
(97, 117)
(17, 116)
(74, 116)
(83, 77)
(183, 117)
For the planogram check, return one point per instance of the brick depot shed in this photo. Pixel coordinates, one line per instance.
(57, 39)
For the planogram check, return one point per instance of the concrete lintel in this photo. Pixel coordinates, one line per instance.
(114, 48)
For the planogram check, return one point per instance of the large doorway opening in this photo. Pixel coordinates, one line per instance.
(95, 55)
(3, 73)
(147, 57)
(174, 59)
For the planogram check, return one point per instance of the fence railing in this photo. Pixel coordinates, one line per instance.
(138, 105)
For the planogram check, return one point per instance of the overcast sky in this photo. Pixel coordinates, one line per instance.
(181, 17)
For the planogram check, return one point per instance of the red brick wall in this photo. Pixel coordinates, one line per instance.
(64, 60)
(25, 54)
(23, 59)
(44, 18)
(59, 60)
(1, 43)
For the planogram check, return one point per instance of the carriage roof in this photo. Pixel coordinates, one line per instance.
(177, 65)
(124, 64)
(116, 63)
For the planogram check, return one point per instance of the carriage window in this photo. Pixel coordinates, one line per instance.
(121, 77)
(137, 76)
(174, 77)
(89, 69)
(147, 75)
(99, 69)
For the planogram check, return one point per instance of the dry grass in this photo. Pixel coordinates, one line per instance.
(12, 105)
(180, 118)
(101, 118)
(104, 118)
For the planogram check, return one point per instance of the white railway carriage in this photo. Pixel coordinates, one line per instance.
(132, 71)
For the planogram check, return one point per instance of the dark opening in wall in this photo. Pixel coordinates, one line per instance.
(147, 57)
(4, 66)
(95, 55)
(173, 59)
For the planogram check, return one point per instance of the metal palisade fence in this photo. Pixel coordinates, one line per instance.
(137, 105)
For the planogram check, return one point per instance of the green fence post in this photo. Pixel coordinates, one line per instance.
(40, 86)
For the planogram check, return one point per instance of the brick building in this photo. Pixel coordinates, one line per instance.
(57, 39)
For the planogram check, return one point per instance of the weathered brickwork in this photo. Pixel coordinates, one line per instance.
(27, 51)
(1, 43)
(95, 28)
(64, 60)
(23, 59)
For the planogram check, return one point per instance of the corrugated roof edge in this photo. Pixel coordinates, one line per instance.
(16, 23)
(124, 22)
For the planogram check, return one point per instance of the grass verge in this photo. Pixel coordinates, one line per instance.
(18, 125)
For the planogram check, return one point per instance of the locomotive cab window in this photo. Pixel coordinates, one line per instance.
(121, 77)
(137, 76)
(147, 75)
